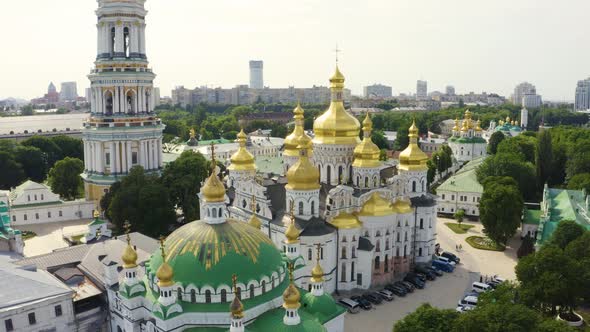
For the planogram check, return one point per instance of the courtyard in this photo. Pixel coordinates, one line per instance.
(50, 236)
(447, 290)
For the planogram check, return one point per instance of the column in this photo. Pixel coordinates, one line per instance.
(129, 156)
(140, 99)
(140, 158)
(142, 39)
(112, 156)
(100, 154)
(133, 39)
(137, 95)
(124, 156)
(159, 152)
(150, 155)
(145, 154)
(90, 158)
(154, 155)
(119, 39)
(115, 159)
(85, 155)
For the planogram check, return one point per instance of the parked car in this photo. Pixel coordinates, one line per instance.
(444, 259)
(443, 266)
(363, 303)
(480, 287)
(408, 285)
(398, 290)
(373, 298)
(386, 295)
(420, 276)
(415, 281)
(463, 309)
(430, 275)
(468, 301)
(451, 256)
(351, 306)
(436, 271)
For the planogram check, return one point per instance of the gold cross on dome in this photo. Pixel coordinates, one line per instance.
(234, 280)
(336, 51)
(291, 268)
(162, 247)
(127, 227)
(318, 246)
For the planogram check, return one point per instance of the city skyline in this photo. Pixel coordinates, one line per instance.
(472, 46)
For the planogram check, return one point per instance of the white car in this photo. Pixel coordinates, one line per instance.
(446, 260)
(469, 301)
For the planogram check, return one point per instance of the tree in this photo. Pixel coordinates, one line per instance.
(279, 131)
(578, 158)
(144, 201)
(27, 110)
(33, 161)
(183, 177)
(379, 139)
(500, 208)
(498, 317)
(566, 232)
(544, 160)
(495, 140)
(459, 215)
(431, 171)
(64, 178)
(510, 165)
(69, 146)
(46, 145)
(11, 172)
(521, 144)
(579, 182)
(427, 319)
(527, 247)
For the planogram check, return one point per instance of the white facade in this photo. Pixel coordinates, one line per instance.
(421, 89)
(467, 142)
(377, 91)
(532, 101)
(256, 74)
(524, 117)
(582, 102)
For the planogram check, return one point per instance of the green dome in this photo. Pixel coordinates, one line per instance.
(209, 254)
(322, 307)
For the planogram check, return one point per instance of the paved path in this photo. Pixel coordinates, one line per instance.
(50, 236)
(445, 291)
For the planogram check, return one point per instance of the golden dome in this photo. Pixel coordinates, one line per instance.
(236, 307)
(465, 126)
(336, 125)
(346, 221)
(402, 206)
(129, 257)
(456, 127)
(303, 175)
(291, 233)
(242, 160)
(292, 140)
(317, 273)
(366, 154)
(508, 119)
(376, 206)
(291, 295)
(413, 158)
(165, 272)
(254, 221)
(478, 126)
(213, 190)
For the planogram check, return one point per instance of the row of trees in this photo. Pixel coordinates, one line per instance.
(149, 202)
(556, 279)
(34, 157)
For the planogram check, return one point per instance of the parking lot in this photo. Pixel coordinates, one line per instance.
(445, 291)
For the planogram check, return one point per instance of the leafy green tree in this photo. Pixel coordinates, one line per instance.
(27, 110)
(33, 161)
(552, 325)
(431, 171)
(544, 160)
(566, 232)
(495, 140)
(52, 150)
(500, 208)
(279, 131)
(523, 145)
(427, 319)
(527, 247)
(11, 172)
(379, 139)
(64, 178)
(402, 139)
(459, 215)
(578, 158)
(144, 201)
(510, 165)
(183, 177)
(69, 146)
(498, 317)
(579, 182)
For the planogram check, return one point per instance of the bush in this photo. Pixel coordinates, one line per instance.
(484, 243)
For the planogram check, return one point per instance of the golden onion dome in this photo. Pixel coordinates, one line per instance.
(254, 221)
(317, 273)
(242, 160)
(465, 126)
(346, 221)
(376, 206)
(213, 189)
(413, 158)
(291, 233)
(291, 297)
(303, 175)
(508, 119)
(336, 125)
(366, 154)
(456, 127)
(129, 257)
(402, 206)
(292, 140)
(478, 126)
(165, 272)
(236, 308)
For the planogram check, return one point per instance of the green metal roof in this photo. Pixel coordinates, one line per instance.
(465, 180)
(562, 205)
(273, 321)
(532, 217)
(467, 139)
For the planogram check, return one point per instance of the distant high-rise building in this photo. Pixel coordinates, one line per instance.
(378, 91)
(156, 97)
(524, 117)
(51, 89)
(450, 90)
(582, 95)
(69, 91)
(524, 88)
(421, 89)
(256, 74)
(531, 101)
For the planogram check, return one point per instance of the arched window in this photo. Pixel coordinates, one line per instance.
(214, 213)
(413, 186)
(405, 236)
(397, 251)
(405, 250)
(130, 102)
(421, 223)
(340, 175)
(352, 271)
(126, 41)
(263, 286)
(223, 296)
(357, 180)
(244, 203)
(220, 213)
(300, 208)
(377, 263)
(386, 263)
(343, 238)
(329, 174)
(193, 296)
(108, 98)
(420, 252)
(251, 291)
(422, 185)
(366, 182)
(353, 252)
(312, 207)
(179, 293)
(113, 34)
(343, 253)
(343, 273)
(378, 246)
(119, 329)
(147, 101)
(375, 181)
(398, 238)
(207, 296)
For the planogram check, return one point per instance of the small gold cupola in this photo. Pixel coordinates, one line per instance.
(292, 140)
(317, 273)
(129, 256)
(213, 190)
(242, 160)
(366, 154)
(165, 274)
(254, 220)
(291, 295)
(236, 307)
(413, 158)
(456, 127)
(292, 233)
(303, 175)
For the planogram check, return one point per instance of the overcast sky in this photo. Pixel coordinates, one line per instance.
(475, 45)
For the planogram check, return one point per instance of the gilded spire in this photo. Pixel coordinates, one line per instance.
(291, 295)
(292, 140)
(129, 257)
(236, 307)
(456, 127)
(292, 233)
(413, 158)
(213, 189)
(303, 175)
(242, 159)
(366, 154)
(317, 273)
(165, 274)
(254, 221)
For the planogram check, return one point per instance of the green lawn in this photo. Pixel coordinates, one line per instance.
(28, 235)
(483, 243)
(459, 228)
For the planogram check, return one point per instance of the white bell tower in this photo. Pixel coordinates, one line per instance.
(122, 131)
